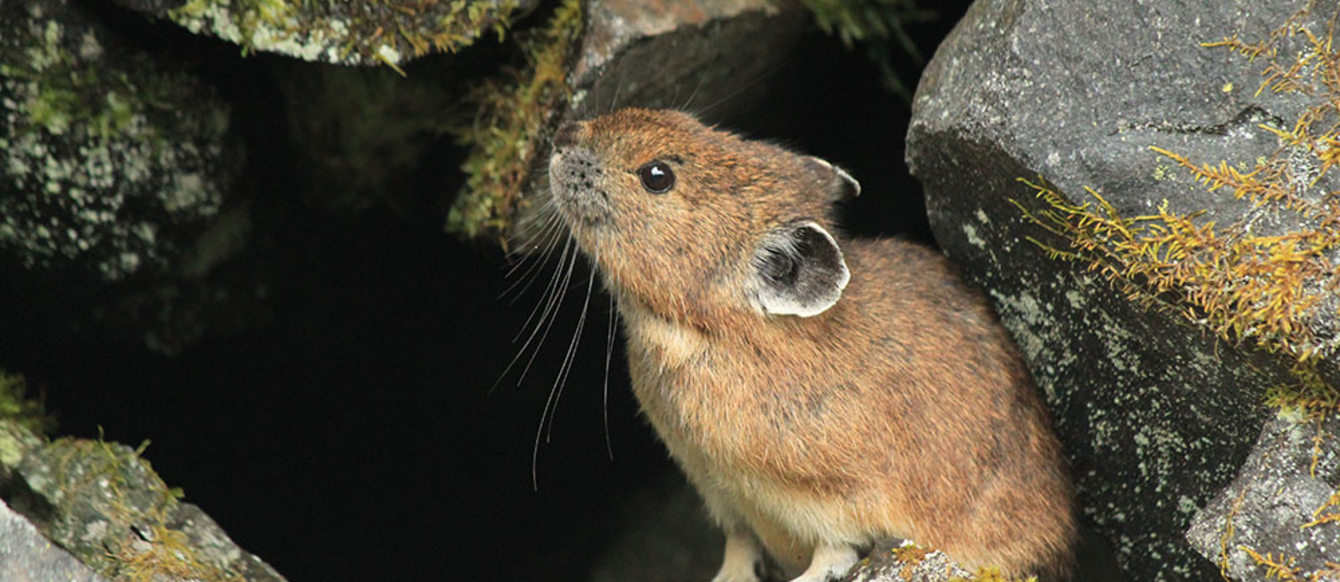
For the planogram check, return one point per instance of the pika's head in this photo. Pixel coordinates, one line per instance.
(690, 220)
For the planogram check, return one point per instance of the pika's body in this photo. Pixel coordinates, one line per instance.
(821, 393)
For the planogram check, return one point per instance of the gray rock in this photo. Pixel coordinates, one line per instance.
(116, 167)
(28, 556)
(1285, 485)
(905, 562)
(356, 32)
(1155, 412)
(103, 503)
(112, 162)
(697, 55)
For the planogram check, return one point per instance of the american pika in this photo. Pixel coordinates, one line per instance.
(820, 392)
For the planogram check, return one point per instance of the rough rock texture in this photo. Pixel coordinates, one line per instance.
(115, 169)
(28, 556)
(689, 55)
(355, 32)
(104, 504)
(110, 159)
(1278, 505)
(904, 562)
(701, 56)
(1155, 413)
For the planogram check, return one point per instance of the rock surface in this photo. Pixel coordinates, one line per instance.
(906, 563)
(1155, 412)
(103, 504)
(28, 556)
(116, 166)
(356, 32)
(112, 161)
(1284, 506)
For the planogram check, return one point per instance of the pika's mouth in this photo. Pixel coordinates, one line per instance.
(575, 177)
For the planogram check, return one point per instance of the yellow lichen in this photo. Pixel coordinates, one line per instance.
(991, 574)
(910, 555)
(1280, 567)
(1227, 535)
(1268, 290)
(1329, 512)
(510, 114)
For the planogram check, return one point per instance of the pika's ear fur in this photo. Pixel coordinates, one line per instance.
(847, 186)
(798, 270)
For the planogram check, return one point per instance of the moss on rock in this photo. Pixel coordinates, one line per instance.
(104, 154)
(355, 32)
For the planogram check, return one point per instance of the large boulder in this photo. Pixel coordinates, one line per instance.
(28, 556)
(1278, 517)
(115, 168)
(103, 504)
(1096, 262)
(356, 32)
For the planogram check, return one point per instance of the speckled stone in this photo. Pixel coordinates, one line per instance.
(104, 504)
(118, 169)
(109, 163)
(1155, 413)
(28, 556)
(350, 32)
(1285, 485)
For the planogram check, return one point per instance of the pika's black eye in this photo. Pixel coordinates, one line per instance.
(657, 177)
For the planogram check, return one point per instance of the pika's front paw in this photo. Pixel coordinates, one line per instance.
(830, 563)
(743, 560)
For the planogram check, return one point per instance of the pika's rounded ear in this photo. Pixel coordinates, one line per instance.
(798, 270)
(844, 185)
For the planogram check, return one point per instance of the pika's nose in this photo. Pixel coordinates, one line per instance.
(566, 134)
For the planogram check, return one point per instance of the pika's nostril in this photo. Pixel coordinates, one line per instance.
(566, 134)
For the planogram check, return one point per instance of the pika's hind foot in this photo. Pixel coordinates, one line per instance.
(829, 564)
(743, 560)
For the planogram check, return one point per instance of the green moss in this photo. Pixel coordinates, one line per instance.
(65, 91)
(16, 407)
(112, 510)
(93, 131)
(389, 32)
(511, 112)
(1264, 290)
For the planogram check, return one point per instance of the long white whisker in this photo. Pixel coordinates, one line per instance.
(609, 351)
(556, 392)
(547, 303)
(547, 236)
(550, 313)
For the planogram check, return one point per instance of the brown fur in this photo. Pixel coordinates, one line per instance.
(904, 410)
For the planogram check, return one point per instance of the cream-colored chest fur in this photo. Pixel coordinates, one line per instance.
(747, 452)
